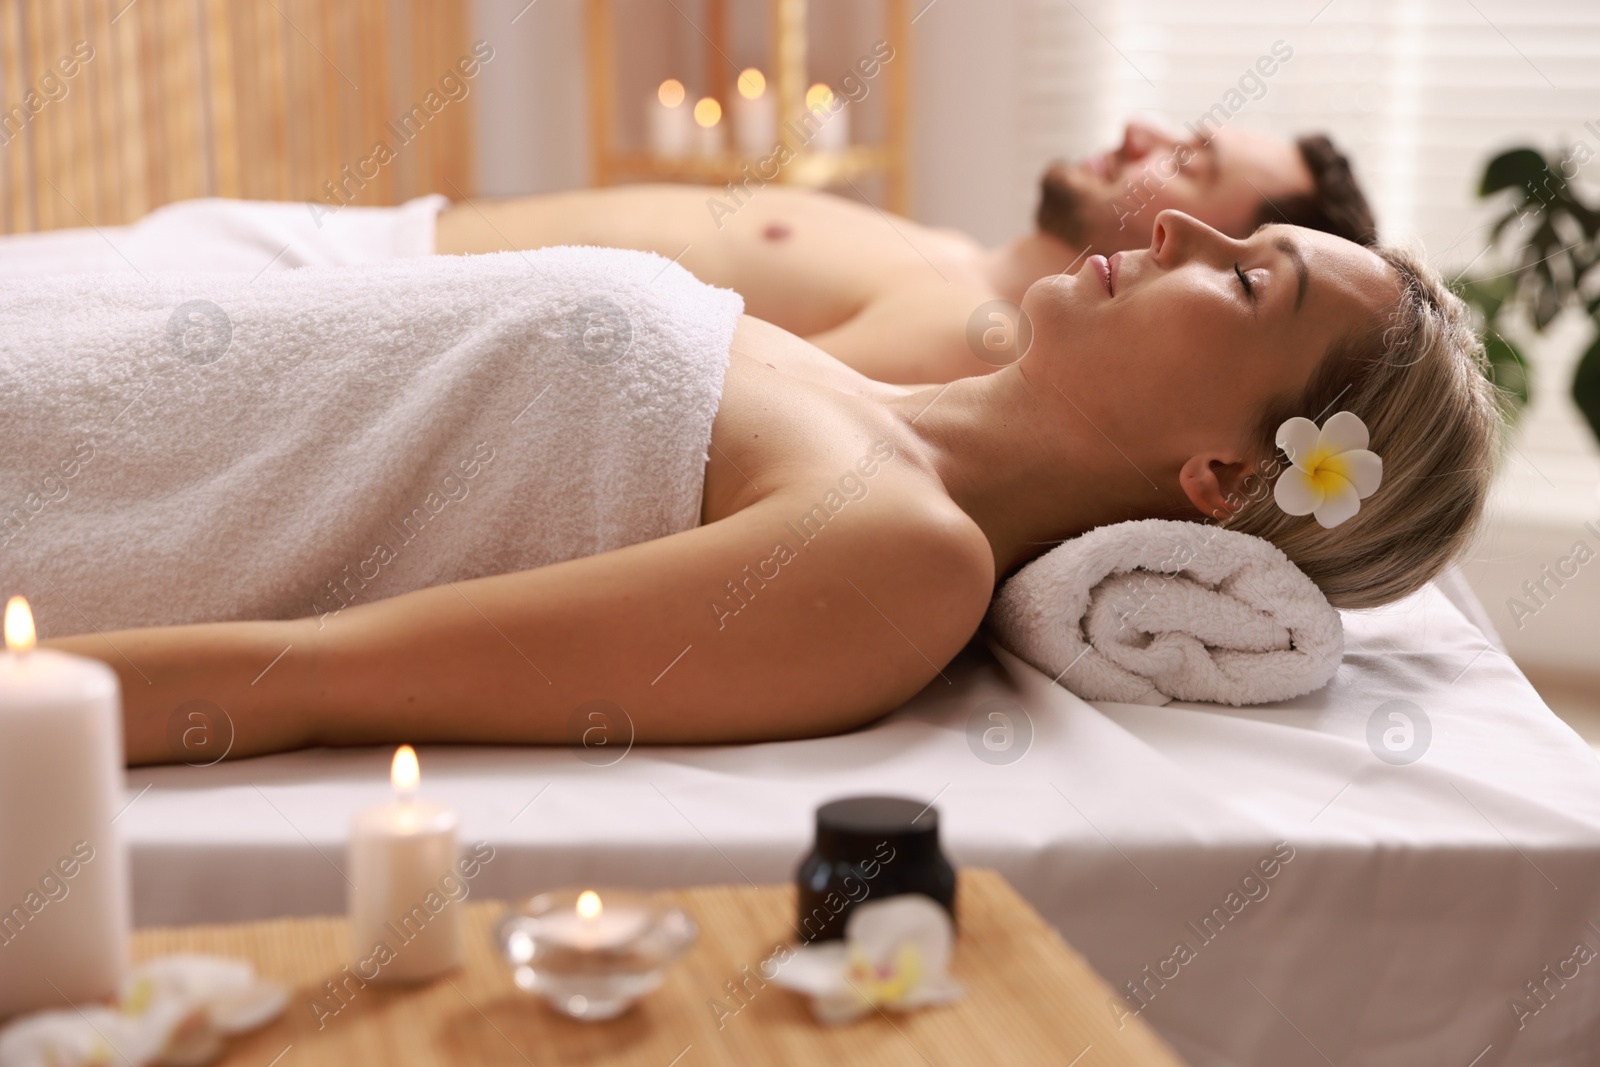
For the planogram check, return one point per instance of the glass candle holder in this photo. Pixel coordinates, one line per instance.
(591, 956)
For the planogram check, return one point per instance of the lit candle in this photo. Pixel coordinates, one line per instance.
(591, 927)
(833, 133)
(64, 910)
(405, 917)
(708, 117)
(669, 121)
(755, 115)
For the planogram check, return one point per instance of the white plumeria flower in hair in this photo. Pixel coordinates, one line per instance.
(1331, 469)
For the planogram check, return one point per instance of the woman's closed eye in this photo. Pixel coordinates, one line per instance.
(1244, 280)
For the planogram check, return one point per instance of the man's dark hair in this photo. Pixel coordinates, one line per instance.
(1336, 203)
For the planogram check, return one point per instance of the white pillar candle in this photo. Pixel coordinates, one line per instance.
(708, 119)
(405, 919)
(670, 126)
(755, 115)
(64, 907)
(830, 117)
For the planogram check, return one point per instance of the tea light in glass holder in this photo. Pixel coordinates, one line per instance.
(589, 957)
(591, 925)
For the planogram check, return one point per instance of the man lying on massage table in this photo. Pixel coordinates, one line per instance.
(1192, 355)
(894, 299)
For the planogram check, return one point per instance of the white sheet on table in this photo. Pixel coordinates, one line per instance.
(230, 236)
(1420, 900)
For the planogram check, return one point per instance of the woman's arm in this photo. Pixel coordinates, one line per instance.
(857, 621)
(227, 665)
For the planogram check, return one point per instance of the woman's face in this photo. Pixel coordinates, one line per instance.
(1174, 350)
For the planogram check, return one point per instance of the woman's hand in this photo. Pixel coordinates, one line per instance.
(250, 680)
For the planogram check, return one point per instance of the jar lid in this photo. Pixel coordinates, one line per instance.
(854, 827)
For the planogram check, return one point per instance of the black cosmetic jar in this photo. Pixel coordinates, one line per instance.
(870, 848)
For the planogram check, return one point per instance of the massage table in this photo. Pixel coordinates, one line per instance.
(1431, 912)
(1418, 901)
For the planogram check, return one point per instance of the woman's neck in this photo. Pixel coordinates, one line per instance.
(1027, 478)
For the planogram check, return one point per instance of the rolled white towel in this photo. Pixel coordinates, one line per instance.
(1157, 610)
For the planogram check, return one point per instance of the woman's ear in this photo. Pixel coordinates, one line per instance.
(1212, 484)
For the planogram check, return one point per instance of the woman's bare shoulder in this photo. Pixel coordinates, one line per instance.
(826, 452)
(949, 559)
(891, 537)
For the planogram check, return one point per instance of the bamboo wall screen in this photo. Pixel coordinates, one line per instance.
(111, 108)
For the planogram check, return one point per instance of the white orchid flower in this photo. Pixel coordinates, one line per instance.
(191, 1003)
(1331, 469)
(90, 1037)
(228, 992)
(895, 954)
(175, 1011)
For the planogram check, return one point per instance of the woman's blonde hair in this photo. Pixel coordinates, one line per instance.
(1419, 382)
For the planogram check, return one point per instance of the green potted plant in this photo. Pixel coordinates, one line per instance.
(1541, 261)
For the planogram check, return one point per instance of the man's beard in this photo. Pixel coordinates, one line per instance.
(1060, 211)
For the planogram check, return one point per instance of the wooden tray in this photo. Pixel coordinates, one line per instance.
(1030, 999)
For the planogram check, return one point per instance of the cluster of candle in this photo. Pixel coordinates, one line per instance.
(405, 894)
(64, 886)
(678, 129)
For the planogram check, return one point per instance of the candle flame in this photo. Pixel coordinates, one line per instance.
(588, 904)
(404, 773)
(671, 92)
(752, 83)
(819, 97)
(20, 634)
(707, 112)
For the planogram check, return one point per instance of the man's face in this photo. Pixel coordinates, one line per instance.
(1108, 202)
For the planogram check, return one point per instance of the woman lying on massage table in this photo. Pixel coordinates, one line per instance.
(1163, 399)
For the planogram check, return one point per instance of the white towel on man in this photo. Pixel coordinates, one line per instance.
(184, 448)
(1151, 611)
